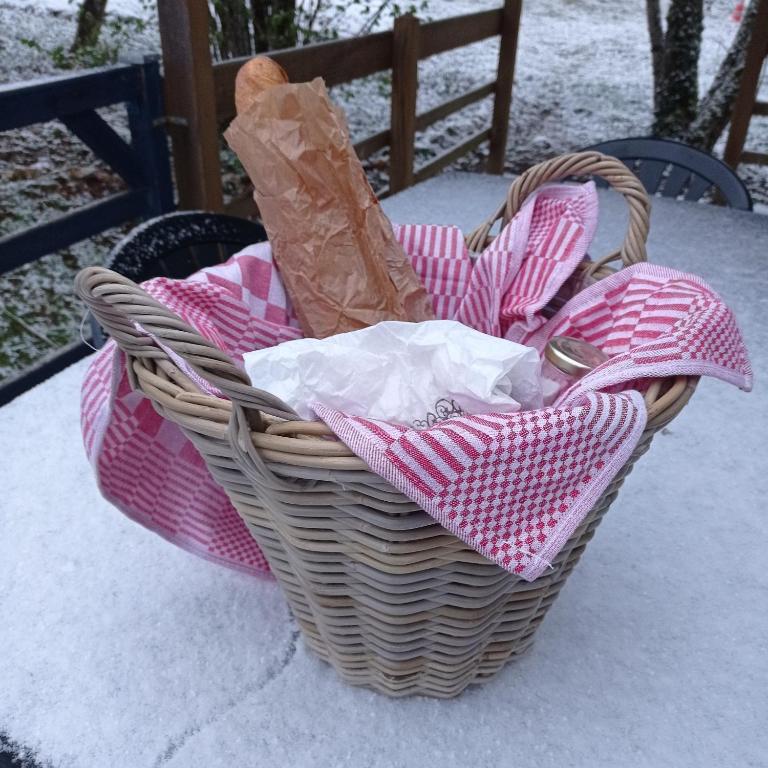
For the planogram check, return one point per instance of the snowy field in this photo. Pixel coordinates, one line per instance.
(121, 651)
(583, 75)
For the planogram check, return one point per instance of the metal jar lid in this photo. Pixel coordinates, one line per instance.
(573, 356)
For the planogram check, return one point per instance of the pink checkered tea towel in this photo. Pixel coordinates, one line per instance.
(514, 487)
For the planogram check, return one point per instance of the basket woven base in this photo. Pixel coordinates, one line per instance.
(417, 628)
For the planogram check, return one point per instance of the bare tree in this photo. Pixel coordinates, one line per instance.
(714, 110)
(678, 111)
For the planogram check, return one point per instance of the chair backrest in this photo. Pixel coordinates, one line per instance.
(673, 169)
(178, 244)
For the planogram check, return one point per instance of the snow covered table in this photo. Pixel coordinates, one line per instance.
(116, 649)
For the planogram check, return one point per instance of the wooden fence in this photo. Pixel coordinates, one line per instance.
(199, 94)
(142, 164)
(747, 105)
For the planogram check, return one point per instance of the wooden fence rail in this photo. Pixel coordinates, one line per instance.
(142, 163)
(200, 94)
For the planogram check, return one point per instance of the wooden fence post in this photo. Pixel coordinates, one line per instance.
(190, 104)
(405, 84)
(744, 106)
(510, 27)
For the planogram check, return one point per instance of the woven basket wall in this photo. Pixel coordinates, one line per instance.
(381, 591)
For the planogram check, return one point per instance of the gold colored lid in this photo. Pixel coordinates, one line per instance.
(573, 356)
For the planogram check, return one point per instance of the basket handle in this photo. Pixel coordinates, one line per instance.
(609, 168)
(129, 314)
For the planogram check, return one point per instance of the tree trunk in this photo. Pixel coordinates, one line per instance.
(90, 17)
(233, 34)
(656, 35)
(284, 26)
(714, 110)
(678, 86)
(260, 12)
(274, 24)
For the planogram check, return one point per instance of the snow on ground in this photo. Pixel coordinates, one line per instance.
(119, 650)
(118, 7)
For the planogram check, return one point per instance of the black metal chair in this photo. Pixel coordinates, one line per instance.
(673, 169)
(176, 245)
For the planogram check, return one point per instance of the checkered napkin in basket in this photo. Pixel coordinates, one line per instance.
(144, 464)
(514, 487)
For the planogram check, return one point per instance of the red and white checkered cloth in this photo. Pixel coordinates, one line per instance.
(144, 464)
(512, 486)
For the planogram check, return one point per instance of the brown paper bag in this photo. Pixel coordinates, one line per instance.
(335, 248)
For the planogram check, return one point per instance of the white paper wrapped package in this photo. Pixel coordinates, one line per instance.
(408, 373)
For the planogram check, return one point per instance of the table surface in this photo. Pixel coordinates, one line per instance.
(121, 650)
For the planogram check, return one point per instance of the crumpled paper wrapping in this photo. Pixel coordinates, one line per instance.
(334, 246)
(405, 373)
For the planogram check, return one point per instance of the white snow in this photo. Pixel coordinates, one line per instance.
(119, 650)
(118, 7)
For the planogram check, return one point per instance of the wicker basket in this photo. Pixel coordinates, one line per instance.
(381, 591)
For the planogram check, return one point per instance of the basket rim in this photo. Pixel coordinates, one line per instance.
(312, 444)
